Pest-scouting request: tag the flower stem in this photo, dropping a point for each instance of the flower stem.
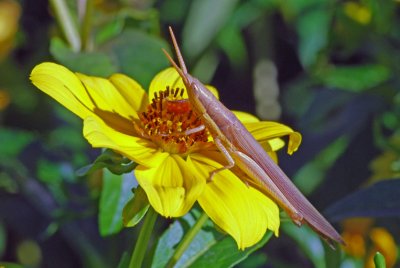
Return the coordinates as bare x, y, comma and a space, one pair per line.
66, 24
86, 23
187, 239
143, 239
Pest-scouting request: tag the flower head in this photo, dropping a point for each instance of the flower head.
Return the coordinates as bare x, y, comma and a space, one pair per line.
364, 240
174, 152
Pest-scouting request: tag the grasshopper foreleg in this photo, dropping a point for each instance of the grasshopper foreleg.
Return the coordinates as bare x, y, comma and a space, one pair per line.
194, 130
225, 153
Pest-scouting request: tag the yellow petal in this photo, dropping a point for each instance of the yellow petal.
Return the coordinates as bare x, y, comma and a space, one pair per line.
166, 78
236, 208
355, 244
266, 130
170, 78
107, 101
63, 86
246, 117
170, 186
131, 91
276, 144
85, 95
213, 90
273, 156
137, 149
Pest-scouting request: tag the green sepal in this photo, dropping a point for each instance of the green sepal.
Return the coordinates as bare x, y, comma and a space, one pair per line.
135, 208
379, 260
111, 160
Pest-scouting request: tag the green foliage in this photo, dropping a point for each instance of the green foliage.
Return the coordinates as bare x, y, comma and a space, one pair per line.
308, 242
135, 53
16, 142
312, 174
197, 36
10, 265
209, 248
111, 160
135, 208
3, 239
355, 78
313, 30
116, 191
91, 63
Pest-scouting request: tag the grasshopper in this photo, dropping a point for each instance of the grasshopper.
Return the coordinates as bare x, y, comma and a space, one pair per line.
242, 150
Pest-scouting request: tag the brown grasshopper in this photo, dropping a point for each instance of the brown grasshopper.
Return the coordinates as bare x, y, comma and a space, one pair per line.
241, 150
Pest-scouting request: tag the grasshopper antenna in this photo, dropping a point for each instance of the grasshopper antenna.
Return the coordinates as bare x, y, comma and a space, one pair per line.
178, 51
182, 69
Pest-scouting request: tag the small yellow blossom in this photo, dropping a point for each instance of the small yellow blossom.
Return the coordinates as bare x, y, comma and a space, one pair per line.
158, 131
364, 240
10, 12
358, 12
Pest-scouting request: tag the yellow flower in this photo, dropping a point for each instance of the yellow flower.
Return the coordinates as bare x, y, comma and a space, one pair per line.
356, 234
358, 12
10, 12
159, 133
383, 242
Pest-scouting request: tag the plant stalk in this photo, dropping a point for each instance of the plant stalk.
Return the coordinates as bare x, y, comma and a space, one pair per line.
187, 239
143, 239
66, 24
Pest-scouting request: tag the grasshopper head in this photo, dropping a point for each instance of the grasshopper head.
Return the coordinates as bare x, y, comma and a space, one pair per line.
199, 95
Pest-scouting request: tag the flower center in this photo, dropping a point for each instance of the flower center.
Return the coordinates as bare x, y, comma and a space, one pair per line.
170, 122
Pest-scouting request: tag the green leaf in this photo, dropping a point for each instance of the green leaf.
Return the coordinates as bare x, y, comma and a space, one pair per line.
384, 15
109, 30
13, 142
233, 44
90, 63
355, 78
230, 38
172, 236
134, 53
378, 200
308, 241
71, 138
10, 265
3, 239
379, 260
115, 193
255, 260
139, 55
197, 36
208, 249
296, 7
313, 29
205, 67
49, 172
333, 258
7, 182
312, 174
124, 261
136, 208
226, 254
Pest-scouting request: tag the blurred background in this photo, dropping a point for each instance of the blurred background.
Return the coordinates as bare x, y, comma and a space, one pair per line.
329, 69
